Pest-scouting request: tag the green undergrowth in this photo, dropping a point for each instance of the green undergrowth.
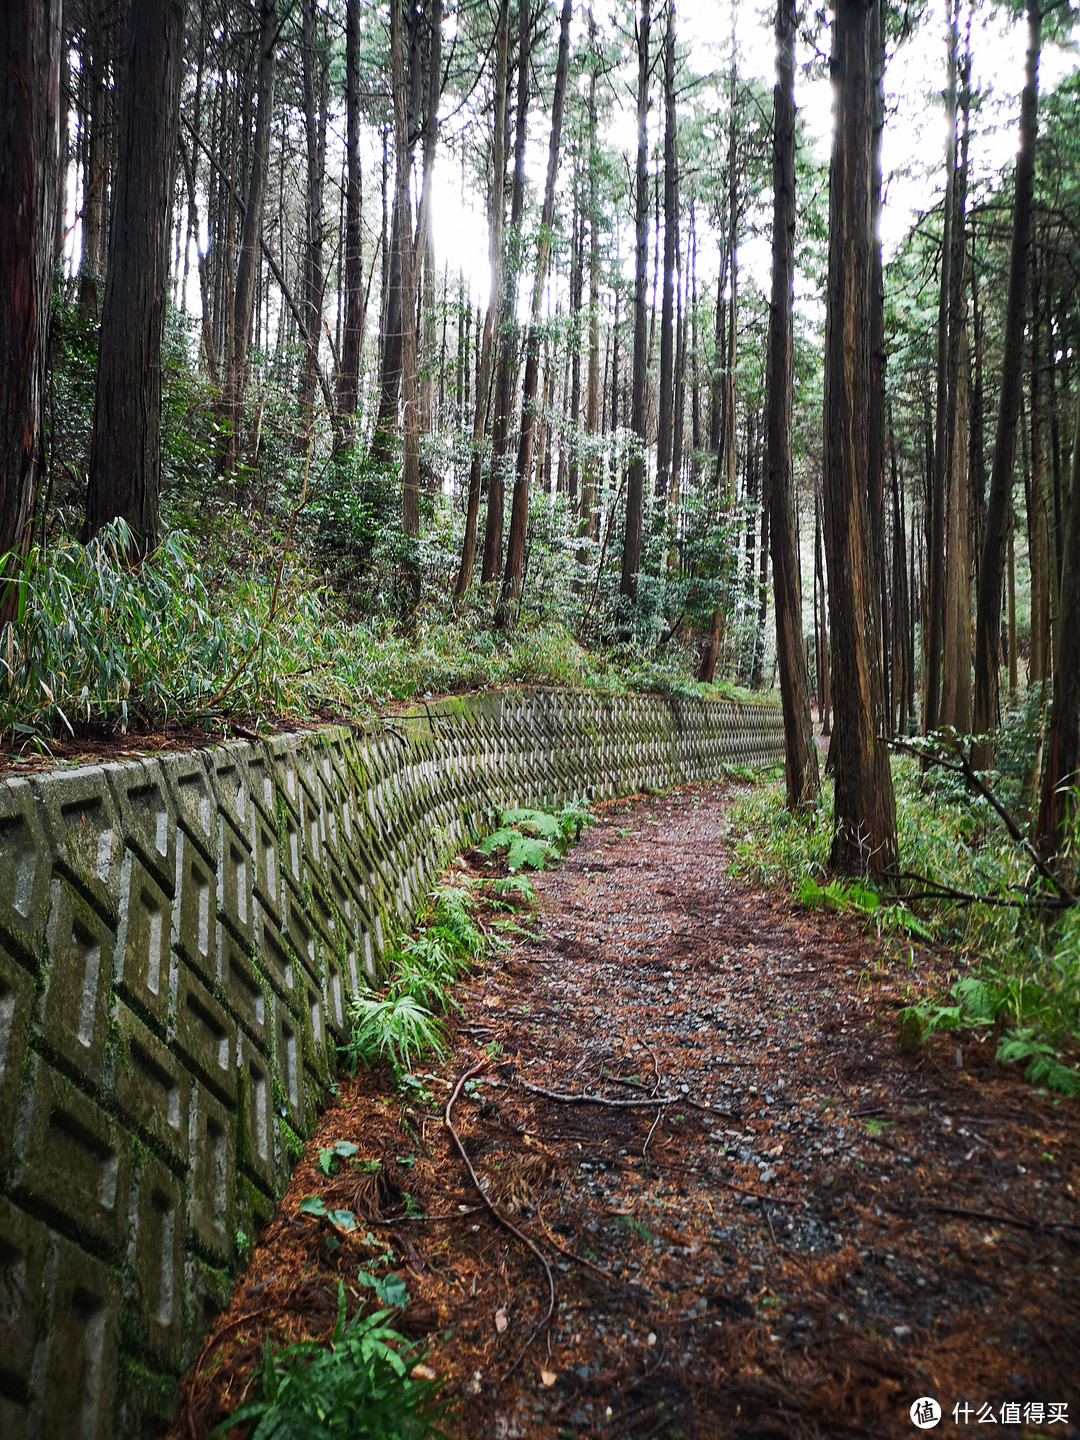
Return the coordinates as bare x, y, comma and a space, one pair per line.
362, 1385
405, 1024
195, 634
1018, 966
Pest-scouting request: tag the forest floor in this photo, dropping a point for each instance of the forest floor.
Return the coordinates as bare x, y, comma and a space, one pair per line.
768, 1221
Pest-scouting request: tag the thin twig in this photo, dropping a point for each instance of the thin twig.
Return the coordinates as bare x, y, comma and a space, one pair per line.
652, 1128
497, 1215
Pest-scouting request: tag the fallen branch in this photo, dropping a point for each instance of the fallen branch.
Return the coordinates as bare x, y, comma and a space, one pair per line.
940, 891
497, 1215
685, 1100
975, 782
757, 1194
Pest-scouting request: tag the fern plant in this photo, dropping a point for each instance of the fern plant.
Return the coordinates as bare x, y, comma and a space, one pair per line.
535, 837
395, 1028
359, 1386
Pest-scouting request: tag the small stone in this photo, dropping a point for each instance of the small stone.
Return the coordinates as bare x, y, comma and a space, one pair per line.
901, 1331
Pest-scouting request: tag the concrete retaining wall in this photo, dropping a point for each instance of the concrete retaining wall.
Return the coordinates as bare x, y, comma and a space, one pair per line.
179, 939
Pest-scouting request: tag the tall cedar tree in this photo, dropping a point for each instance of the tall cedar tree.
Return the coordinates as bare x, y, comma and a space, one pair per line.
800, 752
939, 480
1060, 777
519, 514
864, 837
996, 525
353, 337
665, 416
30, 50
410, 461
247, 268
506, 353
635, 480
125, 454
495, 253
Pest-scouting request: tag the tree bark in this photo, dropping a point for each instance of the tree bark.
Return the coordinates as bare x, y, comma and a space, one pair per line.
996, 524
864, 838
1062, 750
507, 346
495, 253
939, 481
410, 460
243, 308
635, 484
348, 386
665, 409
315, 67
956, 636
125, 453
31, 42
800, 752
519, 514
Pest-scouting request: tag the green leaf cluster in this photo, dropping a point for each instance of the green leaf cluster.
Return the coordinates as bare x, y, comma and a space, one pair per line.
360, 1386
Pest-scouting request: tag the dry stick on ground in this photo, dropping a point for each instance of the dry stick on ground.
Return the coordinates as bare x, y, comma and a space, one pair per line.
564, 1097
682, 1099
497, 1215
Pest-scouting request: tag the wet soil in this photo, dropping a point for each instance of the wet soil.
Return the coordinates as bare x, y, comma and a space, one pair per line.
775, 1224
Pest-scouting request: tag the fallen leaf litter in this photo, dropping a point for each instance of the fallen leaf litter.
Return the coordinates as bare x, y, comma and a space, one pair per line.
696, 1142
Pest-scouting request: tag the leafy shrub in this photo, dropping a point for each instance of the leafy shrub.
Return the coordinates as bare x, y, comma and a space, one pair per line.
360, 1386
395, 1028
534, 837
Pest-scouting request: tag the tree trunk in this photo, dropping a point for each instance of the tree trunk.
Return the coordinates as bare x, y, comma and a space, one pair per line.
125, 453
30, 49
864, 838
996, 525
348, 387
824, 689
935, 558
243, 307
315, 66
424, 246
97, 164
507, 347
800, 752
665, 409
410, 460
519, 513
1062, 750
635, 484
956, 637
495, 253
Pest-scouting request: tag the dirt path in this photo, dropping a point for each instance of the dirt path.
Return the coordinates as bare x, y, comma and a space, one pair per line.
810, 1232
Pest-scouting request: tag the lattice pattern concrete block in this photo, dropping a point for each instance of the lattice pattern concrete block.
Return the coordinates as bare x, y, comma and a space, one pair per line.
205, 1035
16, 1007
194, 931
75, 1008
76, 1379
152, 1086
83, 828
22, 1265
25, 869
196, 805
72, 1160
147, 816
155, 1277
212, 1192
143, 942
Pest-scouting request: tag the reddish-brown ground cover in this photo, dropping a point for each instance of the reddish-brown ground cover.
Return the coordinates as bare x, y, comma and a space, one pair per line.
810, 1231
